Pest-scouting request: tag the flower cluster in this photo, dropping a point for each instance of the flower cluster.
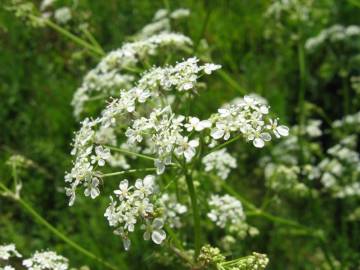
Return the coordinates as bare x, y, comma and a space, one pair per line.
108, 77
341, 169
334, 33
227, 213
182, 77
164, 127
296, 10
165, 130
219, 161
349, 122
7, 251
284, 178
161, 22
46, 260
134, 205
172, 210
248, 118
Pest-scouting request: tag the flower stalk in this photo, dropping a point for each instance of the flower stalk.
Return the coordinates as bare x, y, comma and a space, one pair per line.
195, 211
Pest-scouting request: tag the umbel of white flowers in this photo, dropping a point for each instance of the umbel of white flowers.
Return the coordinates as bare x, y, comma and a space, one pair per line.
44, 260
111, 74
156, 130
135, 205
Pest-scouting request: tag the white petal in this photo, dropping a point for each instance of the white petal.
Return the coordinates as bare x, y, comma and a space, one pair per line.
265, 136
217, 133
126, 243
138, 183
258, 143
149, 180
146, 236
283, 130
124, 184
101, 162
94, 193
158, 223
158, 236
194, 143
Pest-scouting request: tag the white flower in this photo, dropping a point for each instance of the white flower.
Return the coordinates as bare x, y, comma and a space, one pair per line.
278, 130
62, 15
145, 187
196, 124
154, 231
144, 207
209, 68
124, 189
260, 140
180, 13
102, 154
186, 147
221, 130
92, 189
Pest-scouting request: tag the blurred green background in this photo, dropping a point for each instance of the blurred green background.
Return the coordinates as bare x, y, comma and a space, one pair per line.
40, 70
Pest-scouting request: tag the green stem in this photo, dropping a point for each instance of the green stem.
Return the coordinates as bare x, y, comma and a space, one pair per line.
128, 171
93, 40
301, 101
173, 236
203, 29
233, 83
127, 152
224, 144
328, 258
258, 212
55, 231
196, 214
15, 176
346, 96
70, 36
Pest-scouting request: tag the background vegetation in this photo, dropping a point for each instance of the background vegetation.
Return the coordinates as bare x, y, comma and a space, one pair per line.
40, 70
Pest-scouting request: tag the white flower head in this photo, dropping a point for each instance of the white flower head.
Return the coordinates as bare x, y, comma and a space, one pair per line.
46, 260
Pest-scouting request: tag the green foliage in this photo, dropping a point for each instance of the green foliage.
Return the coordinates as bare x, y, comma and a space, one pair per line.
41, 69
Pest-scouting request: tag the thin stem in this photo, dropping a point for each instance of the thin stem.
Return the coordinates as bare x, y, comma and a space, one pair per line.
70, 36
93, 40
328, 258
15, 176
346, 96
195, 212
225, 144
176, 240
203, 29
233, 83
127, 152
55, 231
301, 100
127, 171
258, 212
